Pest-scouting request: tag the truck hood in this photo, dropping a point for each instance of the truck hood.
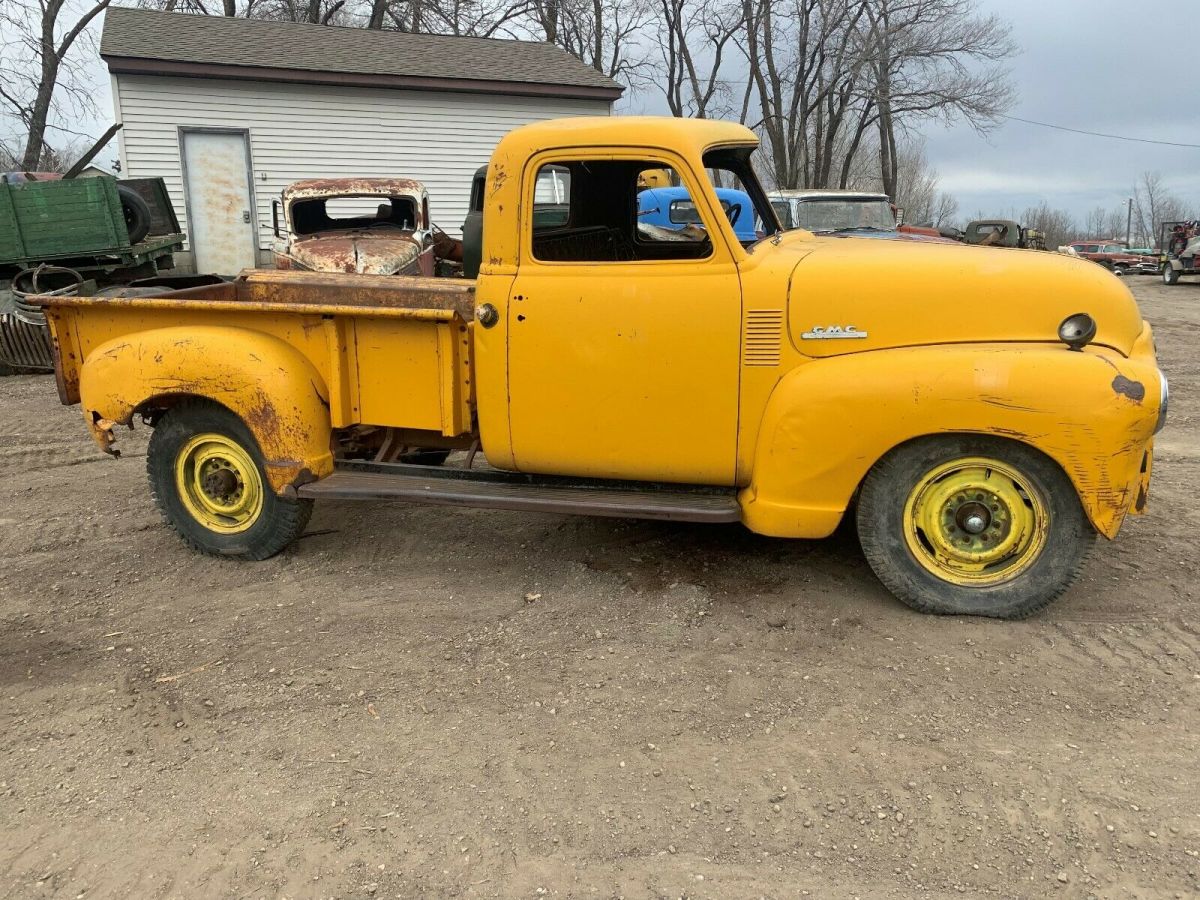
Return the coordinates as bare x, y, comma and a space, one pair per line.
356, 252
849, 294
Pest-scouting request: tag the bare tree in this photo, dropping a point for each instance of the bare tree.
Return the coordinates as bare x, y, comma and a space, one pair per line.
932, 59
39, 74
917, 189
248, 9
605, 35
54, 159
1094, 222
827, 75
1153, 204
805, 63
1115, 221
1057, 225
693, 37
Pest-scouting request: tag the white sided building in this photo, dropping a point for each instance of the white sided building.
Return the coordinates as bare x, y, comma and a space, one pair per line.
230, 111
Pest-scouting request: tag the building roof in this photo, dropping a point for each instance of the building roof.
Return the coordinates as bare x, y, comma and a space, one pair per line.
160, 43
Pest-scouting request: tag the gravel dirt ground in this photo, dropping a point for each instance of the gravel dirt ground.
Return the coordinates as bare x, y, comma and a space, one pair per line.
427, 702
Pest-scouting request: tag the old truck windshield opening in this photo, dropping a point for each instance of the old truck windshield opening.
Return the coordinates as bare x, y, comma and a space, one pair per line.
336, 213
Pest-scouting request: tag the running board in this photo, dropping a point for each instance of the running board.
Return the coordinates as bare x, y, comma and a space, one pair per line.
502, 490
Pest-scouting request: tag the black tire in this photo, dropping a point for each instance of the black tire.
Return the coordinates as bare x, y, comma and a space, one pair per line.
1170, 274
882, 528
136, 213
279, 521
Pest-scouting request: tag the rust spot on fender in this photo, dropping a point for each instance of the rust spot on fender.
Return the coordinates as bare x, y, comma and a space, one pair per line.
264, 421
1134, 390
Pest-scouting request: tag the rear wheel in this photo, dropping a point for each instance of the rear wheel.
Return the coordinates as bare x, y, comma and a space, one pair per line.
972, 526
209, 482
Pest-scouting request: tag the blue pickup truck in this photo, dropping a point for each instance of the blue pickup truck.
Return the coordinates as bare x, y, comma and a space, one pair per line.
673, 208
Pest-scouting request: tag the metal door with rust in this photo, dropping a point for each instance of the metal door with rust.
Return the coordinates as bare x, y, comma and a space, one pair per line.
220, 201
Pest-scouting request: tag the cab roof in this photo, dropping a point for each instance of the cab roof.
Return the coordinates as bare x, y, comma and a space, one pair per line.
352, 187
630, 131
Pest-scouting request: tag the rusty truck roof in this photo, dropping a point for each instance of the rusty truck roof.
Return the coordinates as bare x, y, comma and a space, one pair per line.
312, 188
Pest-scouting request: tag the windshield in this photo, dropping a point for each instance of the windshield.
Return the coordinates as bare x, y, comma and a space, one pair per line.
842, 213
729, 167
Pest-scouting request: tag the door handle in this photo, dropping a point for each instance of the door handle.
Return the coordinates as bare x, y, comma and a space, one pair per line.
246, 216
487, 315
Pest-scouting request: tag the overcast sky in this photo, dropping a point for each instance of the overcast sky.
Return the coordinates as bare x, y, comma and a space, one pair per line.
1100, 65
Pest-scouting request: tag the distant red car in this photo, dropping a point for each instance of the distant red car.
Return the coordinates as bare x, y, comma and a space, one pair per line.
1111, 256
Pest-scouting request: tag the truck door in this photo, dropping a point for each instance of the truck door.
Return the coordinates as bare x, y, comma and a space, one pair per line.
623, 337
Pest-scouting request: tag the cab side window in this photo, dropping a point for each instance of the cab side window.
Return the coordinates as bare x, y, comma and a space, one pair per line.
614, 211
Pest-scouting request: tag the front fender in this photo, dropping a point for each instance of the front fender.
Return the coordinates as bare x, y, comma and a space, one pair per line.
828, 421
269, 384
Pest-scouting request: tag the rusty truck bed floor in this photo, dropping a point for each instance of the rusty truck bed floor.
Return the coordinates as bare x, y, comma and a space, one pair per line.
422, 701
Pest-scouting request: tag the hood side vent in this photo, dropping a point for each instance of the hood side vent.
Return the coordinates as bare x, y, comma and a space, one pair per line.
762, 335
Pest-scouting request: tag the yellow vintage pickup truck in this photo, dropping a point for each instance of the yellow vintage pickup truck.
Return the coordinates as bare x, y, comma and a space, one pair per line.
983, 414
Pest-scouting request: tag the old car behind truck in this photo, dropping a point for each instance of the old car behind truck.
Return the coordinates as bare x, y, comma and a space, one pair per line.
780, 383
372, 226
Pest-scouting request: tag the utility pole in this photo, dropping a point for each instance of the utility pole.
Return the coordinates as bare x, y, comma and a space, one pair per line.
1129, 224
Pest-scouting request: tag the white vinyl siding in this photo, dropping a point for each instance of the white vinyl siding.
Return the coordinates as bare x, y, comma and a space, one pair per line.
317, 131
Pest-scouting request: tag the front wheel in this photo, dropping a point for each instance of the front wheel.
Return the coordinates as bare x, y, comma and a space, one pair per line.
1170, 274
972, 525
209, 482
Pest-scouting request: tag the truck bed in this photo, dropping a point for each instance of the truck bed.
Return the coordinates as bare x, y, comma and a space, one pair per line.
363, 336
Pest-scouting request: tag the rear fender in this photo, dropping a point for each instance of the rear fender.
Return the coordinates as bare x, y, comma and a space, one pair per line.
828, 422
265, 381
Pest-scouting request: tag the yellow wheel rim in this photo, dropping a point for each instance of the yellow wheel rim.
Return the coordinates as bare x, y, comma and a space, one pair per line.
219, 483
975, 521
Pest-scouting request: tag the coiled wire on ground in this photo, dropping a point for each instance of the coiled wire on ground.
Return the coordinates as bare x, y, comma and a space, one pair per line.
24, 335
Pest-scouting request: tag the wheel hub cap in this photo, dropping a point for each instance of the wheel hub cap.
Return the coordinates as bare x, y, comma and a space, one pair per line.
975, 521
219, 483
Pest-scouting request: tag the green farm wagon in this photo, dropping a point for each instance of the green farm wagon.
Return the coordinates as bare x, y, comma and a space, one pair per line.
107, 231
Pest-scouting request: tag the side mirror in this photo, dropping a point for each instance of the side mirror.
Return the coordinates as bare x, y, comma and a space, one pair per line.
275, 217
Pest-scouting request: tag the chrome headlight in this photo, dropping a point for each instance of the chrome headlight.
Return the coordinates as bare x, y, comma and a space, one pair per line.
1164, 397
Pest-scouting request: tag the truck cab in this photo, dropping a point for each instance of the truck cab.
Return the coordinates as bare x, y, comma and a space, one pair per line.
363, 226
604, 368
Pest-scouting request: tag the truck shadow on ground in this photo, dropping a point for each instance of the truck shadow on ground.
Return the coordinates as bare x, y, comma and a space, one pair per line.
727, 562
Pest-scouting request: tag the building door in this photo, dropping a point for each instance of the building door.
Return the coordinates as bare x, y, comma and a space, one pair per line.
220, 205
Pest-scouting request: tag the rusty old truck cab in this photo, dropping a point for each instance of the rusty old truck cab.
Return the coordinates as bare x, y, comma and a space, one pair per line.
983, 414
363, 226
